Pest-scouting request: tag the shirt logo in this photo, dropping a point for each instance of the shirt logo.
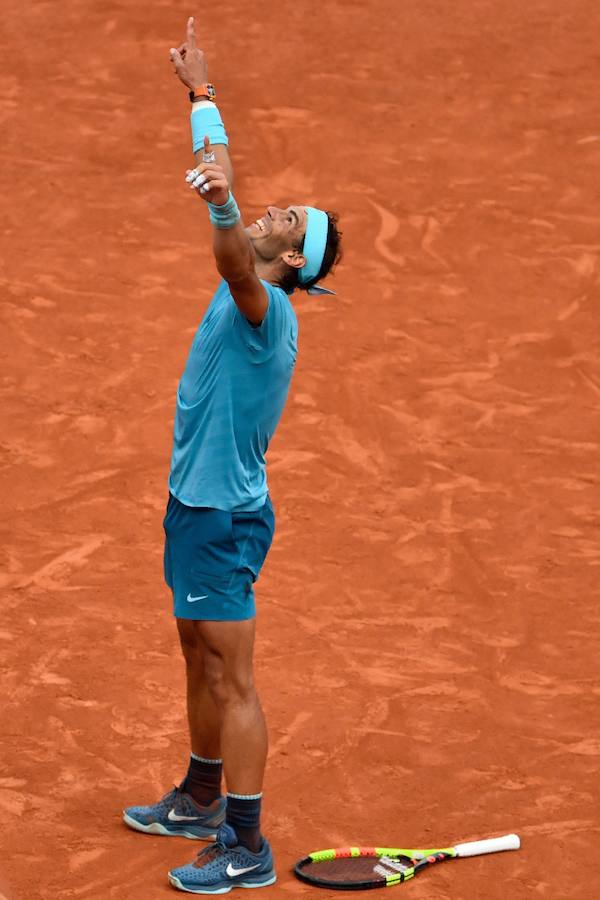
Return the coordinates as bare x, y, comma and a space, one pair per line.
191, 599
233, 872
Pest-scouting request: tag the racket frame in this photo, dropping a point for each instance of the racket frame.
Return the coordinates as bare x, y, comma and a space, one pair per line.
419, 859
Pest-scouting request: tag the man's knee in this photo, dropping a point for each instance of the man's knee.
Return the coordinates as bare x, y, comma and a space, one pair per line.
227, 683
221, 654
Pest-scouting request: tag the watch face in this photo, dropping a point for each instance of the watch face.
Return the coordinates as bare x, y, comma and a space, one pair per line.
210, 90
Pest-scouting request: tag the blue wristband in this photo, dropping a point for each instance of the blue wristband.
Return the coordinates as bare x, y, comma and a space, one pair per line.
226, 215
206, 120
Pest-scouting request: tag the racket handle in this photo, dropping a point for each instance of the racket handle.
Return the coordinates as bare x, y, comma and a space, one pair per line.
494, 845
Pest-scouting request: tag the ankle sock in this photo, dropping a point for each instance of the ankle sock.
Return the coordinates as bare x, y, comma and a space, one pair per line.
243, 814
203, 779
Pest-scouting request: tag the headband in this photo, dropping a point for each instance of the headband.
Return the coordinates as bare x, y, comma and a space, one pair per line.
315, 242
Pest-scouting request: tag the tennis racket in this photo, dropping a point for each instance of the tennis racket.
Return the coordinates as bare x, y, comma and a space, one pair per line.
362, 868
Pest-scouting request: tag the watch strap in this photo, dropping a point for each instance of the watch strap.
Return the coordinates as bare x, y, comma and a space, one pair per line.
203, 91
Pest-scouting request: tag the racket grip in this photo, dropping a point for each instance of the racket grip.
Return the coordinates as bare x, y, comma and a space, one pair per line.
494, 845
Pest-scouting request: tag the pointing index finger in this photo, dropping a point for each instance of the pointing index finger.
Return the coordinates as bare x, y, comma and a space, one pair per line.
191, 34
208, 156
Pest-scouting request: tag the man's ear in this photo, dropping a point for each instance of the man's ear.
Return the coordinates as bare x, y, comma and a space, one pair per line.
294, 258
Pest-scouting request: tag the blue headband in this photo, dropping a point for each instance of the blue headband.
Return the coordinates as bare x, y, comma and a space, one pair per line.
315, 242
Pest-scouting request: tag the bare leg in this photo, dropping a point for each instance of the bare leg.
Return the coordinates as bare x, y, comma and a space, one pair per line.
203, 719
226, 650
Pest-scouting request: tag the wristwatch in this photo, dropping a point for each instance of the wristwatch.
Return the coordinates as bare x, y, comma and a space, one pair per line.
203, 92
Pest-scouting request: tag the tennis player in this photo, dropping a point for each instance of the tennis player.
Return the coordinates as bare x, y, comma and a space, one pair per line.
219, 521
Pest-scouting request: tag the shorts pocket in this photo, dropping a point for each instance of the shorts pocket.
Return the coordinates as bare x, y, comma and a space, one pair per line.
221, 577
213, 553
253, 535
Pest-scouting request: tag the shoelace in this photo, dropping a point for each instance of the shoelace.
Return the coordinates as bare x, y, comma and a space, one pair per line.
169, 799
209, 853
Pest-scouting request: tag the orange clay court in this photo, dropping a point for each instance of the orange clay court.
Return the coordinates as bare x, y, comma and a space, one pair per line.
428, 616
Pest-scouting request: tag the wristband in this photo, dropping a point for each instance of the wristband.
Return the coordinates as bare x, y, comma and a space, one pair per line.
225, 215
206, 120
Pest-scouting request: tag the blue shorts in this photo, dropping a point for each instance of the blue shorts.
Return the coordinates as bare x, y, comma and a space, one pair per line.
213, 557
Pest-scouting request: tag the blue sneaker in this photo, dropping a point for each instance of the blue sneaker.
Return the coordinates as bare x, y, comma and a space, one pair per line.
178, 815
225, 865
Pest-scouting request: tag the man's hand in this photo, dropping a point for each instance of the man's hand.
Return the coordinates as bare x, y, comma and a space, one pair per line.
190, 63
209, 179
212, 179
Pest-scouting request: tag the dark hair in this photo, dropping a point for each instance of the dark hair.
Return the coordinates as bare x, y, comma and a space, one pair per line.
289, 281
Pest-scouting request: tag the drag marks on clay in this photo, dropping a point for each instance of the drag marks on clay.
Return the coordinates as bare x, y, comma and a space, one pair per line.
159, 733
133, 870
13, 802
586, 747
95, 476
430, 231
560, 443
20, 452
360, 451
434, 547
55, 574
290, 459
81, 858
538, 685
298, 721
279, 187
389, 226
561, 827
589, 381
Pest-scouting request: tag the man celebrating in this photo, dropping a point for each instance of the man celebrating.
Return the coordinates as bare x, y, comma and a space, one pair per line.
219, 522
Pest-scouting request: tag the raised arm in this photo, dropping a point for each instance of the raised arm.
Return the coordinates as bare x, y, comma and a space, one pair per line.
234, 253
191, 67
213, 180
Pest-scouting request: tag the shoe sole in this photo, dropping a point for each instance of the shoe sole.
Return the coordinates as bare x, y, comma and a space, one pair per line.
157, 828
176, 883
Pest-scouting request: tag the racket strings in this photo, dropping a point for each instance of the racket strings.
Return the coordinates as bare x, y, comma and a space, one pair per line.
361, 868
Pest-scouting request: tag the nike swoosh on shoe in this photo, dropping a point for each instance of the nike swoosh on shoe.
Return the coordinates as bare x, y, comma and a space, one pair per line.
231, 872
174, 817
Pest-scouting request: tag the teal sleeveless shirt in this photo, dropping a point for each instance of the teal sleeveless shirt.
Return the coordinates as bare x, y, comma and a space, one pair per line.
229, 401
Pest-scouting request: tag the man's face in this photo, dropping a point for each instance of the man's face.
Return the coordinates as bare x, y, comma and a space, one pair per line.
278, 231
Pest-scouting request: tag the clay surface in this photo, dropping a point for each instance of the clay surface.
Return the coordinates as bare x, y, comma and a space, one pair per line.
428, 615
